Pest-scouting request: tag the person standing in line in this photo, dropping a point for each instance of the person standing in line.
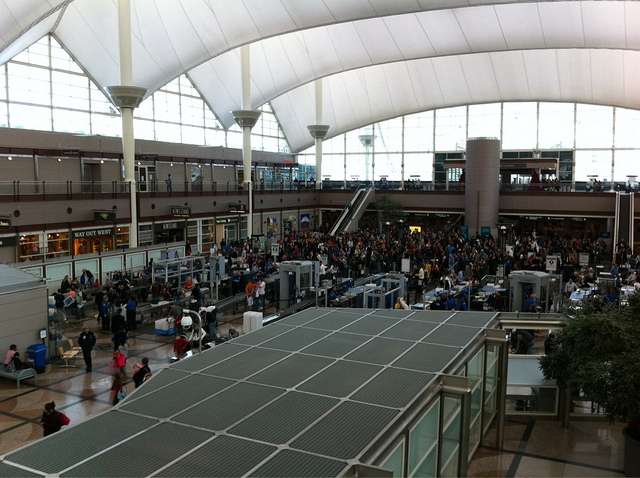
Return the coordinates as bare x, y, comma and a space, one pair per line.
250, 289
261, 292
103, 313
131, 313
87, 341
169, 181
52, 420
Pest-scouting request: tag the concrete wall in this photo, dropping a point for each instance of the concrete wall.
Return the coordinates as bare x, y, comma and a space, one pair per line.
22, 315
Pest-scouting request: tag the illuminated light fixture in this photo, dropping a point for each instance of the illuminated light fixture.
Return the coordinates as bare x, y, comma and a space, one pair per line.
139, 163
171, 165
199, 165
10, 158
59, 160
102, 161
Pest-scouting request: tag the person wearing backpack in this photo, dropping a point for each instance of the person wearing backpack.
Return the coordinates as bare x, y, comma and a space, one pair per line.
142, 373
52, 420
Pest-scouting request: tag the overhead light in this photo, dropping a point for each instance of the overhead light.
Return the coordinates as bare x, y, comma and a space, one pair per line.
10, 158
59, 160
171, 165
102, 161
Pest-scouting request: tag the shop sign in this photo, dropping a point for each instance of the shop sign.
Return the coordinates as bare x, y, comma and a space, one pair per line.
5, 223
108, 231
108, 216
180, 211
8, 241
169, 225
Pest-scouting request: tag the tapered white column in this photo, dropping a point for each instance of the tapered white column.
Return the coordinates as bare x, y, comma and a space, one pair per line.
127, 97
318, 132
246, 119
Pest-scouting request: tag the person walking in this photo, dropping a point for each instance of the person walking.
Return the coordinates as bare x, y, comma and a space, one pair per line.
118, 392
87, 341
142, 373
52, 420
169, 182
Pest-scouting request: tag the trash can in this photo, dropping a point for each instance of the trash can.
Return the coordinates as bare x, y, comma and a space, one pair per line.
38, 354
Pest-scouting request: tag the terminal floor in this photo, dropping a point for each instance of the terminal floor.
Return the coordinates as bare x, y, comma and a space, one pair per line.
531, 447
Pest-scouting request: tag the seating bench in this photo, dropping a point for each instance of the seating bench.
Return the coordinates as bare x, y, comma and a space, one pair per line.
19, 374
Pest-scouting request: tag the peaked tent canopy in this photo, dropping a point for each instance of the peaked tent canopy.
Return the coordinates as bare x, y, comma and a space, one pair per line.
379, 59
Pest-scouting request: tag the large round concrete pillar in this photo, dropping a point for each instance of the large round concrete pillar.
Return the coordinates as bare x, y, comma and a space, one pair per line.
482, 189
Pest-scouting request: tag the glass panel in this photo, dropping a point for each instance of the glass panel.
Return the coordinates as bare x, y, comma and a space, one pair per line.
214, 137
484, 120
418, 132
333, 167
389, 136
107, 125
450, 437
143, 129
71, 121
192, 135
556, 125
590, 163
333, 145
29, 84
166, 106
594, 126
519, 126
167, 132
358, 166
627, 128
234, 137
36, 54
29, 117
626, 163
418, 166
145, 110
395, 460
451, 129
389, 167
3, 83
423, 438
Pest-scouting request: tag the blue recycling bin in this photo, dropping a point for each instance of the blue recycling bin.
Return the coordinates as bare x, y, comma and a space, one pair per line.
38, 354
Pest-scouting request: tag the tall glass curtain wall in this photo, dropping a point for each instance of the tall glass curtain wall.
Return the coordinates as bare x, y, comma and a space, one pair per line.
589, 140
43, 88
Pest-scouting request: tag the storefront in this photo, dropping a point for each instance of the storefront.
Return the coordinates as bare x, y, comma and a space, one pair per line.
37, 246
166, 232
88, 241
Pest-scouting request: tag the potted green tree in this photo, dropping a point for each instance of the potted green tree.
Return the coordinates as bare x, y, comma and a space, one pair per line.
598, 352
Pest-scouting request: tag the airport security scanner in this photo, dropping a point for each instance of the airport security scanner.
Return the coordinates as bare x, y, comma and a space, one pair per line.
383, 295
297, 278
522, 284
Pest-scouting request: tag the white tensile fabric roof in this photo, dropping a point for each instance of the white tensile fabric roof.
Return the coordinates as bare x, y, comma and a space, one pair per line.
378, 58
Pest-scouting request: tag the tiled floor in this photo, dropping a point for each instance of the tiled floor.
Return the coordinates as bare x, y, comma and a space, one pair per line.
531, 447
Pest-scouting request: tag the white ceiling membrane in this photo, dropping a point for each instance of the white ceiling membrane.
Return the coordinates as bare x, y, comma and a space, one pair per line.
379, 58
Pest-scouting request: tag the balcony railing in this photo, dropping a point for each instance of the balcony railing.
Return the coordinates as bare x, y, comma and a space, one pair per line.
17, 189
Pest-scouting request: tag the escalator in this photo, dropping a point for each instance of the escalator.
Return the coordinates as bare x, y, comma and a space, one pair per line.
623, 230
353, 211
